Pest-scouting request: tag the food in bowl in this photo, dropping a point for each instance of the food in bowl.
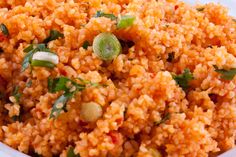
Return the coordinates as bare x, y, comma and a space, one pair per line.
117, 78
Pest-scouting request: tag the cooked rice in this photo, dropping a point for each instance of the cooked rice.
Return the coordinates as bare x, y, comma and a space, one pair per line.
140, 87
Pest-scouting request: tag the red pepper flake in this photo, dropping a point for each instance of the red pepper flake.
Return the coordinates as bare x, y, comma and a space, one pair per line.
2, 37
119, 120
213, 97
114, 136
176, 7
63, 72
82, 123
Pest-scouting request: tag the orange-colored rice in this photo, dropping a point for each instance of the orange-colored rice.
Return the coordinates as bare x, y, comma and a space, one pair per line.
139, 81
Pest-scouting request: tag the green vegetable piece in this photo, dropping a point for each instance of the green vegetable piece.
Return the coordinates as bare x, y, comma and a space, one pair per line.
30, 51
60, 105
165, 118
4, 29
29, 48
61, 84
226, 74
171, 57
41, 63
90, 111
183, 79
27, 60
69, 87
200, 9
102, 14
29, 83
125, 21
71, 153
106, 46
42, 47
16, 93
54, 34
86, 44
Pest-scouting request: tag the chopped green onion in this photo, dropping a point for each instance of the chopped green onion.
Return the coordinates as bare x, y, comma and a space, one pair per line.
40, 63
54, 34
4, 29
71, 153
102, 14
125, 21
16, 93
44, 59
106, 46
31, 50
226, 74
165, 118
86, 44
183, 79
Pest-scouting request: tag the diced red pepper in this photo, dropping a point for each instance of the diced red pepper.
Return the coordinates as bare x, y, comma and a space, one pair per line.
63, 72
114, 137
2, 37
82, 123
119, 120
176, 7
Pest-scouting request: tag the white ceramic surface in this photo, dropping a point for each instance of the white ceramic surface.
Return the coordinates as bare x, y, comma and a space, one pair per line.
6, 151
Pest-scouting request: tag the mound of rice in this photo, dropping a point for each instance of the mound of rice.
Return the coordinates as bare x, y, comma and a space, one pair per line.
140, 86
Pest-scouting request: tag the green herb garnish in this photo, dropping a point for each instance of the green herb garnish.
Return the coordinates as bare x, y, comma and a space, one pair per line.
226, 74
183, 79
16, 93
171, 57
69, 87
102, 14
4, 29
125, 21
165, 118
63, 84
86, 44
30, 50
71, 153
60, 105
54, 34
29, 83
